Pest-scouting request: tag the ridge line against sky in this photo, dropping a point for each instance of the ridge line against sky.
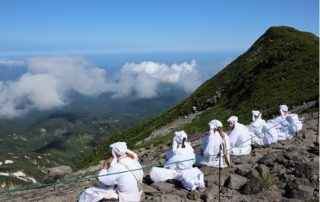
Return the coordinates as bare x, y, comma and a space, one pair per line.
98, 26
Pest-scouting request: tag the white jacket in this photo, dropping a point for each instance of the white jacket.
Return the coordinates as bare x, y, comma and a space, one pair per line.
211, 148
126, 183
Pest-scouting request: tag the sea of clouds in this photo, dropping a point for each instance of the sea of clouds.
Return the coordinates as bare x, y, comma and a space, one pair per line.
49, 81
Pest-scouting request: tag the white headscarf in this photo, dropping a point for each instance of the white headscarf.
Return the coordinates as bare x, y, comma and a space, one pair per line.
179, 135
283, 108
256, 115
121, 149
233, 119
215, 124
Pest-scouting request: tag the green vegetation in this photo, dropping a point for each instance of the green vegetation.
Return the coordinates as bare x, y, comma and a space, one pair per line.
268, 182
282, 66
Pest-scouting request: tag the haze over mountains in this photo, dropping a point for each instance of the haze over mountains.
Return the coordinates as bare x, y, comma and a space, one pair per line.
55, 109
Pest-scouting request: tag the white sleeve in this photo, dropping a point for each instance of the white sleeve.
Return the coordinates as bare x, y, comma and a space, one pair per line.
110, 179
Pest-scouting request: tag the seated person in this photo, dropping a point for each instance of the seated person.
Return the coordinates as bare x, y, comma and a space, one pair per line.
286, 124
117, 171
179, 164
240, 139
181, 150
210, 147
255, 129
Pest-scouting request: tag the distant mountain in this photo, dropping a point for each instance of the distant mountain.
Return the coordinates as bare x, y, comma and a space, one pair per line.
282, 66
40, 140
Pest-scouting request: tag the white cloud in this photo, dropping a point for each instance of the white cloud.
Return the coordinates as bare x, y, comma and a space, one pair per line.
10, 63
143, 79
49, 81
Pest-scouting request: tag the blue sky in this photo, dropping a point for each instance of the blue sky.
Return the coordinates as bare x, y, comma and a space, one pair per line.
118, 26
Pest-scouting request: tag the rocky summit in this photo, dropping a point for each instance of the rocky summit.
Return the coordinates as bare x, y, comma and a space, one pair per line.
286, 171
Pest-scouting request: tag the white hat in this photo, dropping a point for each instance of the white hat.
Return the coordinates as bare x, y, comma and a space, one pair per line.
255, 115
283, 108
232, 119
119, 148
179, 135
215, 124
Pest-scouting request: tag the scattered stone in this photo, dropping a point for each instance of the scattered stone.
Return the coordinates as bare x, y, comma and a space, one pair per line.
57, 173
262, 169
300, 191
162, 186
243, 169
148, 189
167, 198
235, 181
307, 169
194, 195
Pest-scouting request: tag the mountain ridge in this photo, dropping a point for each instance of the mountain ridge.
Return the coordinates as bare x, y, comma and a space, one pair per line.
276, 69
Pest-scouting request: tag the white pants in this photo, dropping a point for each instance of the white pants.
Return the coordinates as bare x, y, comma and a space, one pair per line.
239, 151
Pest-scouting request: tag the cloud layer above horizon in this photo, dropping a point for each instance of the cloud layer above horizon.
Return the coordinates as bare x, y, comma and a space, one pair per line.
49, 81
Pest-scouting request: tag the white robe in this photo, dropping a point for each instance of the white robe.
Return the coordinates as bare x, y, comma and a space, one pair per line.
179, 166
295, 125
270, 133
240, 140
126, 183
282, 126
211, 148
181, 158
256, 133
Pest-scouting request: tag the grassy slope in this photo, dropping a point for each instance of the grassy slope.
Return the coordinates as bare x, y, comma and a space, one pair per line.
281, 67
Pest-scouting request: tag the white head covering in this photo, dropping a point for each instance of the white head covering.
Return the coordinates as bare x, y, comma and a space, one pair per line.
121, 149
179, 135
233, 119
283, 108
256, 115
215, 124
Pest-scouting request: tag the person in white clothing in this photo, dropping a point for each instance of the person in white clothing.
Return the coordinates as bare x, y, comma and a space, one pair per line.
214, 142
287, 124
281, 124
182, 155
179, 164
255, 129
123, 171
240, 139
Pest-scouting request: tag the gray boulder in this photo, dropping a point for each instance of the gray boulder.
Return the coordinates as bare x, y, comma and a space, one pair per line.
243, 169
162, 186
235, 181
253, 185
300, 191
56, 173
167, 198
306, 170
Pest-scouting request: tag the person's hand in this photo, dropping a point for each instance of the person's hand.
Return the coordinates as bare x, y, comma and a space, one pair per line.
107, 163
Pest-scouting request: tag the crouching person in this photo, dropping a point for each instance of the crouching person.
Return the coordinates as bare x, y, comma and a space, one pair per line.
179, 164
240, 139
123, 171
213, 143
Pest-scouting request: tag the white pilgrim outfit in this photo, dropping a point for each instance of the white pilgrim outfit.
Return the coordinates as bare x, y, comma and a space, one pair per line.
127, 182
179, 165
211, 147
240, 139
281, 124
255, 129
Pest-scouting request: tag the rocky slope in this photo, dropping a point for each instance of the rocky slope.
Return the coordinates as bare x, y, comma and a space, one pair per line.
282, 66
286, 171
